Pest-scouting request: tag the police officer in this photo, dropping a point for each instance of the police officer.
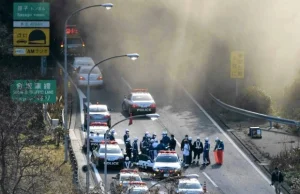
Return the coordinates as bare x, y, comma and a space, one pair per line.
160, 146
135, 150
172, 144
182, 142
206, 160
219, 145
151, 149
145, 146
198, 149
277, 179
146, 134
165, 139
190, 140
154, 145
126, 135
186, 152
142, 142
127, 163
112, 135
153, 136
128, 148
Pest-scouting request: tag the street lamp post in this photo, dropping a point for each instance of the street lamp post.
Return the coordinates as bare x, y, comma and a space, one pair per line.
152, 116
133, 56
107, 6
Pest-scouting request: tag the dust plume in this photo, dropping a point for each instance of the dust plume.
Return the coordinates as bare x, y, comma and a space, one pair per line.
194, 38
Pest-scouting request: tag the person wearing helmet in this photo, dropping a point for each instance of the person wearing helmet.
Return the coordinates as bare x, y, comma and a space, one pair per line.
146, 134
135, 150
165, 139
128, 148
151, 149
198, 149
182, 142
112, 135
206, 160
145, 146
142, 142
172, 144
186, 153
126, 135
127, 163
154, 145
219, 145
153, 136
190, 140
160, 146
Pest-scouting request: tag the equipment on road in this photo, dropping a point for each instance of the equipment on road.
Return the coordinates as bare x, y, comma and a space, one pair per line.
255, 132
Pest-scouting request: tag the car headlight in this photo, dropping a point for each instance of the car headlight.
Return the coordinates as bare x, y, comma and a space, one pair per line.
178, 169
155, 169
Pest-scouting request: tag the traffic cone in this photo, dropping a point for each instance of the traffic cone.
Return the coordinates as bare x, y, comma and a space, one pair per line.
204, 187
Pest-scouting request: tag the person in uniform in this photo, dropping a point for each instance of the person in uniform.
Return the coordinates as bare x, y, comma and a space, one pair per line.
206, 160
151, 149
153, 136
154, 145
135, 150
190, 140
112, 135
126, 135
128, 148
198, 149
127, 163
172, 144
145, 147
219, 145
160, 146
182, 142
186, 153
165, 139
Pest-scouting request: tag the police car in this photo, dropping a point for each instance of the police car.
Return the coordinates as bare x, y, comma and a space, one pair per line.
167, 164
124, 178
97, 131
115, 155
189, 185
139, 101
145, 162
98, 113
136, 187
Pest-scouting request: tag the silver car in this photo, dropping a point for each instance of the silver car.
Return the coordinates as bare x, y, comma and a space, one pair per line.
96, 77
189, 186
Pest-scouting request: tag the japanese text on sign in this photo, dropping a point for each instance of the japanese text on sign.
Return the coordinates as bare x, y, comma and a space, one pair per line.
31, 51
237, 61
35, 91
31, 11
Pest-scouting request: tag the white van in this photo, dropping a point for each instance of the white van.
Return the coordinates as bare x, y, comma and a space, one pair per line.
82, 61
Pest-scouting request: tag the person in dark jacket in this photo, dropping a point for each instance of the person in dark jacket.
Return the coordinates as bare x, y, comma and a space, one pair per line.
112, 135
153, 136
198, 149
182, 142
206, 160
160, 146
145, 147
126, 136
277, 179
172, 144
165, 139
135, 150
128, 148
191, 150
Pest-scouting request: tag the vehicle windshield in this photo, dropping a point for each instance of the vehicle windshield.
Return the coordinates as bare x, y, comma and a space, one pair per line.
87, 70
74, 41
98, 109
188, 185
96, 117
111, 150
130, 178
142, 98
166, 159
137, 191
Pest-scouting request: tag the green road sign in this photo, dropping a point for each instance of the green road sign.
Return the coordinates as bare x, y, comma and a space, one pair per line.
31, 11
40, 91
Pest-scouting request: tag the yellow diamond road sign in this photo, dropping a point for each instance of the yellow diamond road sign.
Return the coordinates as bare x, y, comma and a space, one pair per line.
237, 64
31, 51
31, 37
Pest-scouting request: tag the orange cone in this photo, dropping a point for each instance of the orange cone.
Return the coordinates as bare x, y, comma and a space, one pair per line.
204, 187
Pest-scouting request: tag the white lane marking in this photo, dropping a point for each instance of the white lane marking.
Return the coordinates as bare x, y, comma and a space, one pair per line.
127, 84
214, 184
96, 173
222, 131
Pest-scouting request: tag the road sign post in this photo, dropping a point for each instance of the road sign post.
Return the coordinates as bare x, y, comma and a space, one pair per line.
237, 68
37, 91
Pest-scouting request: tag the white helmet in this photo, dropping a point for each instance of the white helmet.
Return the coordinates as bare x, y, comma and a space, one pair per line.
198, 138
217, 139
112, 131
135, 139
126, 130
127, 158
206, 139
190, 138
147, 133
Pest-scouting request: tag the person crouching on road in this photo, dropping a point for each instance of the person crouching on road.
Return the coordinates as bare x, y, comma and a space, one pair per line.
135, 150
206, 160
127, 163
198, 149
128, 148
126, 135
277, 179
182, 142
172, 144
186, 153
154, 145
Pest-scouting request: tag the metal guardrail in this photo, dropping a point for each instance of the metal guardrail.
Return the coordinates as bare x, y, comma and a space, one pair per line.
248, 113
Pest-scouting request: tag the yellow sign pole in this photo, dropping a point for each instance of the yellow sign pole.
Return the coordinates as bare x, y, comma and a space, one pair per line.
237, 67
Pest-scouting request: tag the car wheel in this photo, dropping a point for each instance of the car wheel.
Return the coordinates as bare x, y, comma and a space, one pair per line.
124, 106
